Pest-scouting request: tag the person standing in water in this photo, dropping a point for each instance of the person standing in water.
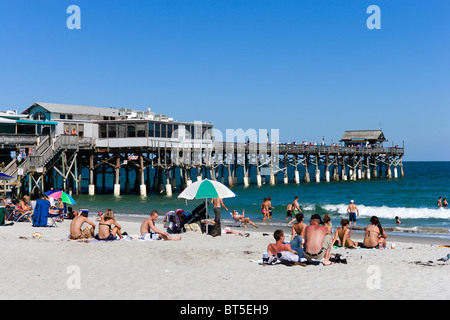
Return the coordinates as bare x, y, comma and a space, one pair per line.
353, 211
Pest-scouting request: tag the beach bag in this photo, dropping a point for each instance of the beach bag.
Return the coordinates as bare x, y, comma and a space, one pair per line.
194, 227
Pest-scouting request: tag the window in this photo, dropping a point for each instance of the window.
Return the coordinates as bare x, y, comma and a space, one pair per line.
141, 130
81, 130
157, 130
188, 132
69, 117
7, 128
175, 131
131, 130
40, 116
62, 116
163, 130
112, 130
122, 132
26, 129
151, 129
102, 129
169, 130
198, 132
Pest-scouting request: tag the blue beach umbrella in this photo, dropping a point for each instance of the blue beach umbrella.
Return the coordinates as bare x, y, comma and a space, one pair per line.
5, 177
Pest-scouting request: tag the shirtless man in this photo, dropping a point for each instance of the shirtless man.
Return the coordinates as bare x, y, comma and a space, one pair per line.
298, 234
269, 207
150, 232
218, 204
317, 241
295, 206
439, 203
299, 227
76, 233
352, 211
279, 246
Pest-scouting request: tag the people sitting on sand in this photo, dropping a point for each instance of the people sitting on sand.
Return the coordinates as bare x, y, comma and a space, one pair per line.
327, 223
150, 232
375, 237
106, 231
76, 233
24, 208
242, 218
279, 245
298, 234
70, 214
317, 241
342, 235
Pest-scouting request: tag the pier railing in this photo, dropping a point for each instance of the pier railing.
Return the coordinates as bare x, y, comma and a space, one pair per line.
311, 149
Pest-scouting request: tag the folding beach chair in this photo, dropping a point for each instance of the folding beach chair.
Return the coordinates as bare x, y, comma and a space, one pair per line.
54, 216
17, 216
237, 222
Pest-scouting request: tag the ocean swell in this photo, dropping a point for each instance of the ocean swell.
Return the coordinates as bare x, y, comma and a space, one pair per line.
388, 212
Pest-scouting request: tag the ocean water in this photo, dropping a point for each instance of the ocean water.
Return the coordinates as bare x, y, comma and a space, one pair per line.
412, 198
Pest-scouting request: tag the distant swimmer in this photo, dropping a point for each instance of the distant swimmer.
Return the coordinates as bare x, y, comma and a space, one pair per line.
439, 203
445, 203
397, 220
289, 211
295, 206
353, 211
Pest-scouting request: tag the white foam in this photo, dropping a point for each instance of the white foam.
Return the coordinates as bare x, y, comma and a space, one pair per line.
391, 213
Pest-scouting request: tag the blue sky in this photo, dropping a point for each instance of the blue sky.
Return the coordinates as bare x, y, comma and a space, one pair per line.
309, 68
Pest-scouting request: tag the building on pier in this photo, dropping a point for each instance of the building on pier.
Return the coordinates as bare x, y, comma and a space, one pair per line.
363, 138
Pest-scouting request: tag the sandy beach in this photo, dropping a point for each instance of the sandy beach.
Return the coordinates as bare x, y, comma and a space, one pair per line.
202, 267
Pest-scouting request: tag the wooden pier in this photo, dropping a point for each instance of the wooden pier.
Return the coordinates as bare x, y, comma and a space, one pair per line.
91, 149
160, 166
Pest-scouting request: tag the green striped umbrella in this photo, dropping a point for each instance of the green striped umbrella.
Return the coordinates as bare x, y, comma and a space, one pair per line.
206, 189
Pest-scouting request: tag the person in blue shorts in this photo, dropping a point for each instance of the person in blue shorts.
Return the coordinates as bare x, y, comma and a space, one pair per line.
352, 211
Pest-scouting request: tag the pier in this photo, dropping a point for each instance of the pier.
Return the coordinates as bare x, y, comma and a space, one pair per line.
121, 152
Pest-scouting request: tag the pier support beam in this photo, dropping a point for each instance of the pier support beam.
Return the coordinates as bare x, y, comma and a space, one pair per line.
91, 175
117, 177
317, 171
296, 176
272, 179
142, 185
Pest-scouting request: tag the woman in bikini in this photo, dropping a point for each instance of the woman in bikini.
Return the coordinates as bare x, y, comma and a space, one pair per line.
375, 237
105, 227
241, 218
25, 208
265, 209
343, 233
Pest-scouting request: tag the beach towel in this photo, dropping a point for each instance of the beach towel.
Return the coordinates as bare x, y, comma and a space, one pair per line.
41, 213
